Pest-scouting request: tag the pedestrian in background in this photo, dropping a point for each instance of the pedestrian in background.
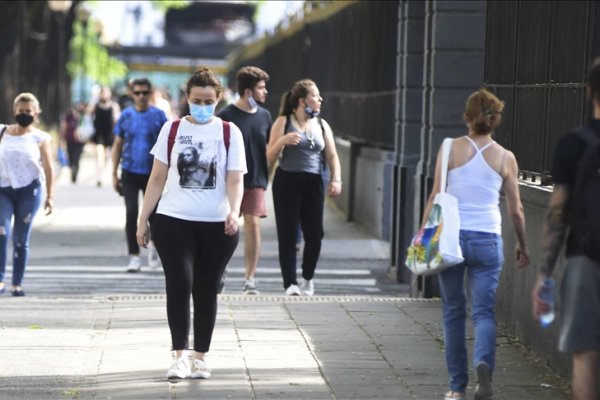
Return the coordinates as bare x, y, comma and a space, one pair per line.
478, 169
580, 286
255, 123
297, 140
105, 114
69, 134
195, 228
161, 101
25, 165
136, 132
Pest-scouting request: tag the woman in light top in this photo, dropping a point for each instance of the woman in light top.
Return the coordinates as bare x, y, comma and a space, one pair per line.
478, 170
195, 229
25, 164
298, 139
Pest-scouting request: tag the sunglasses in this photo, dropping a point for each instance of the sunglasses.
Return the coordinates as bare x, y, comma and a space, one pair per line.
142, 93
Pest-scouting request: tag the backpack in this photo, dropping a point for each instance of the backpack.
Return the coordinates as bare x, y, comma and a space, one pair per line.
585, 212
173, 134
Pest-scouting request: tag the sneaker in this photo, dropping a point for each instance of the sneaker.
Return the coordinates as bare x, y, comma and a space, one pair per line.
292, 290
199, 369
307, 287
153, 260
135, 264
483, 390
180, 369
250, 287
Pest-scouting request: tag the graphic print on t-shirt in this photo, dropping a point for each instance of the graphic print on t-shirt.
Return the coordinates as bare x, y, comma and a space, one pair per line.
197, 164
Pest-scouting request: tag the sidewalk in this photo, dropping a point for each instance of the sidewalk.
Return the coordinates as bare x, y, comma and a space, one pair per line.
102, 344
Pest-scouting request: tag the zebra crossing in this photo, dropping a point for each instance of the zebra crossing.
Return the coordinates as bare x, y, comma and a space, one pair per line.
99, 280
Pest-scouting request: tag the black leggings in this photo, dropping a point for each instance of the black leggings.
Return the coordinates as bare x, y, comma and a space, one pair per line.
194, 256
298, 197
132, 184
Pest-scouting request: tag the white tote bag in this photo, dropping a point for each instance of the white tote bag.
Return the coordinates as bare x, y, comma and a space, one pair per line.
436, 246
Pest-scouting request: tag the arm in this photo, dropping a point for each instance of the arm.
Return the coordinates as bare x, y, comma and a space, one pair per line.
154, 189
514, 208
554, 231
116, 112
46, 156
235, 192
117, 150
435, 190
333, 161
278, 140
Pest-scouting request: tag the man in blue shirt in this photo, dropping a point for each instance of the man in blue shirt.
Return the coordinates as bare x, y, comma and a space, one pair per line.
136, 132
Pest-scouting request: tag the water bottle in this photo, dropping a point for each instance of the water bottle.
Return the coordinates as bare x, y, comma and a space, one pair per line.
547, 293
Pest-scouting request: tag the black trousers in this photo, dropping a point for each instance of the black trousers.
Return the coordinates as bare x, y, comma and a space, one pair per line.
74, 150
194, 256
298, 197
132, 184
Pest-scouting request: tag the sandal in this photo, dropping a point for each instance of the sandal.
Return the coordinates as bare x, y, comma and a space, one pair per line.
454, 396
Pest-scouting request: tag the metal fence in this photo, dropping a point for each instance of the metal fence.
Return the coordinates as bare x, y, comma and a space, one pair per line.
536, 61
347, 53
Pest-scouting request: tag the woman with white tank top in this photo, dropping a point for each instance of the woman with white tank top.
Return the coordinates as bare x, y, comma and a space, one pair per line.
478, 170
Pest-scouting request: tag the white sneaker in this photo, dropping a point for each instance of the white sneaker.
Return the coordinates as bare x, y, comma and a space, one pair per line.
180, 369
292, 290
250, 286
135, 264
307, 287
199, 369
153, 259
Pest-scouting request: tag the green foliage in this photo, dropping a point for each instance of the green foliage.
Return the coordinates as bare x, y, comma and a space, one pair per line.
90, 58
166, 4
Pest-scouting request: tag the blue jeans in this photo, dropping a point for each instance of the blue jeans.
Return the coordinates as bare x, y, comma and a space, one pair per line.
23, 204
484, 256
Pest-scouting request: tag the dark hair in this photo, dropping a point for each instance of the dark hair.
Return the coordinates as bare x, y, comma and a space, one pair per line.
483, 111
593, 80
203, 77
291, 98
140, 82
248, 77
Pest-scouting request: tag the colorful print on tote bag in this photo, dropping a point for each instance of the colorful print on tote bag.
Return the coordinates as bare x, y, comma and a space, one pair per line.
437, 245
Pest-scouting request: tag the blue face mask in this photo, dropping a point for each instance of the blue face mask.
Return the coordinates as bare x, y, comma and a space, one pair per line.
202, 114
310, 112
253, 103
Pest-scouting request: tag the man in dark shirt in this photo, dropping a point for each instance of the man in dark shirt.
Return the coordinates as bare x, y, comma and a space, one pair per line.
255, 124
580, 286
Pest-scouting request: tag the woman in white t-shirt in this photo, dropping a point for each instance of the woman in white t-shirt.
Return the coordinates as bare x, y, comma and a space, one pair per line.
25, 160
195, 229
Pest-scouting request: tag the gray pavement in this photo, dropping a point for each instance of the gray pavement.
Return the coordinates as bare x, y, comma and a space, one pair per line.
87, 330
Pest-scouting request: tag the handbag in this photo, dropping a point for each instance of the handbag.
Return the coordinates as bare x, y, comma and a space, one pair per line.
436, 246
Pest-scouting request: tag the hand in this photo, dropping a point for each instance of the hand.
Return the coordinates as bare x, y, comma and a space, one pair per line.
539, 306
522, 255
49, 206
117, 184
291, 139
335, 188
143, 234
231, 224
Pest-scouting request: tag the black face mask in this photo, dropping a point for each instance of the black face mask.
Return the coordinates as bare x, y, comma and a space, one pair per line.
24, 120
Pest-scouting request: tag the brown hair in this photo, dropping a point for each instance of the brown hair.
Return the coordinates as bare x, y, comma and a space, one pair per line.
203, 77
248, 77
483, 111
291, 98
